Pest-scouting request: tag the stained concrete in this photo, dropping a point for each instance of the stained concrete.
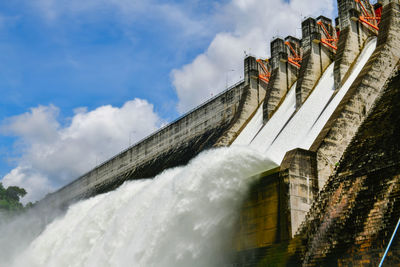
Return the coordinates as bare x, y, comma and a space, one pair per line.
278, 202
353, 35
252, 97
299, 174
352, 219
351, 222
316, 59
260, 222
283, 76
357, 103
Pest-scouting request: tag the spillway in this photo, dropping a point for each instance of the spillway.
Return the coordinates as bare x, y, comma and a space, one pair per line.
251, 128
288, 130
274, 125
183, 217
278, 120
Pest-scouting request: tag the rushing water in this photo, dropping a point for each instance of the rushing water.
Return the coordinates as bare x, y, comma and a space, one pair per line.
185, 216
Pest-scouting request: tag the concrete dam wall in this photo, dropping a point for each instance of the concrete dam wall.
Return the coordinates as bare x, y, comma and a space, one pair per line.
354, 211
346, 167
216, 122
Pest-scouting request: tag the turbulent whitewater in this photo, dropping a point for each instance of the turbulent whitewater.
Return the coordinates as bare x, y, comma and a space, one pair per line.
183, 217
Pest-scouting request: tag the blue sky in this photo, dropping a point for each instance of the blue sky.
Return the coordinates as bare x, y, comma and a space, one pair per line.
64, 62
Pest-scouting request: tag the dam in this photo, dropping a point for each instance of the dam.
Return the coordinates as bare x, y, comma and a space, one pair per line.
321, 118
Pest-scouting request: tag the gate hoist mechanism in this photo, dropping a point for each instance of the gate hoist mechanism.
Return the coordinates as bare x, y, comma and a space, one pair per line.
266, 74
293, 58
329, 40
369, 16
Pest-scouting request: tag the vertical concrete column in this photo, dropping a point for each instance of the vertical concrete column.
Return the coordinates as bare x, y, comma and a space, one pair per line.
293, 71
316, 58
283, 75
345, 8
251, 98
251, 77
299, 173
250, 70
351, 39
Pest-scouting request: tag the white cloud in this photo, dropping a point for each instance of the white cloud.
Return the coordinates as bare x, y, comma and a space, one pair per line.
184, 16
252, 24
53, 154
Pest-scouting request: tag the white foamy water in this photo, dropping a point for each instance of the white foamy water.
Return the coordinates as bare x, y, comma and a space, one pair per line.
183, 217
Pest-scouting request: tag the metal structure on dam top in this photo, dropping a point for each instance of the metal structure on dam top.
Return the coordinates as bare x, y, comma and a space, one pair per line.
371, 15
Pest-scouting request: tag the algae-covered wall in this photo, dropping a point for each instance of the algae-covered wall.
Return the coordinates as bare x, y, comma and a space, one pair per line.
259, 220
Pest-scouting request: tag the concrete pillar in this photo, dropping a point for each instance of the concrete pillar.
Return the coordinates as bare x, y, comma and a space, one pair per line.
251, 99
278, 52
251, 77
345, 8
351, 40
250, 69
310, 31
316, 58
299, 174
283, 75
